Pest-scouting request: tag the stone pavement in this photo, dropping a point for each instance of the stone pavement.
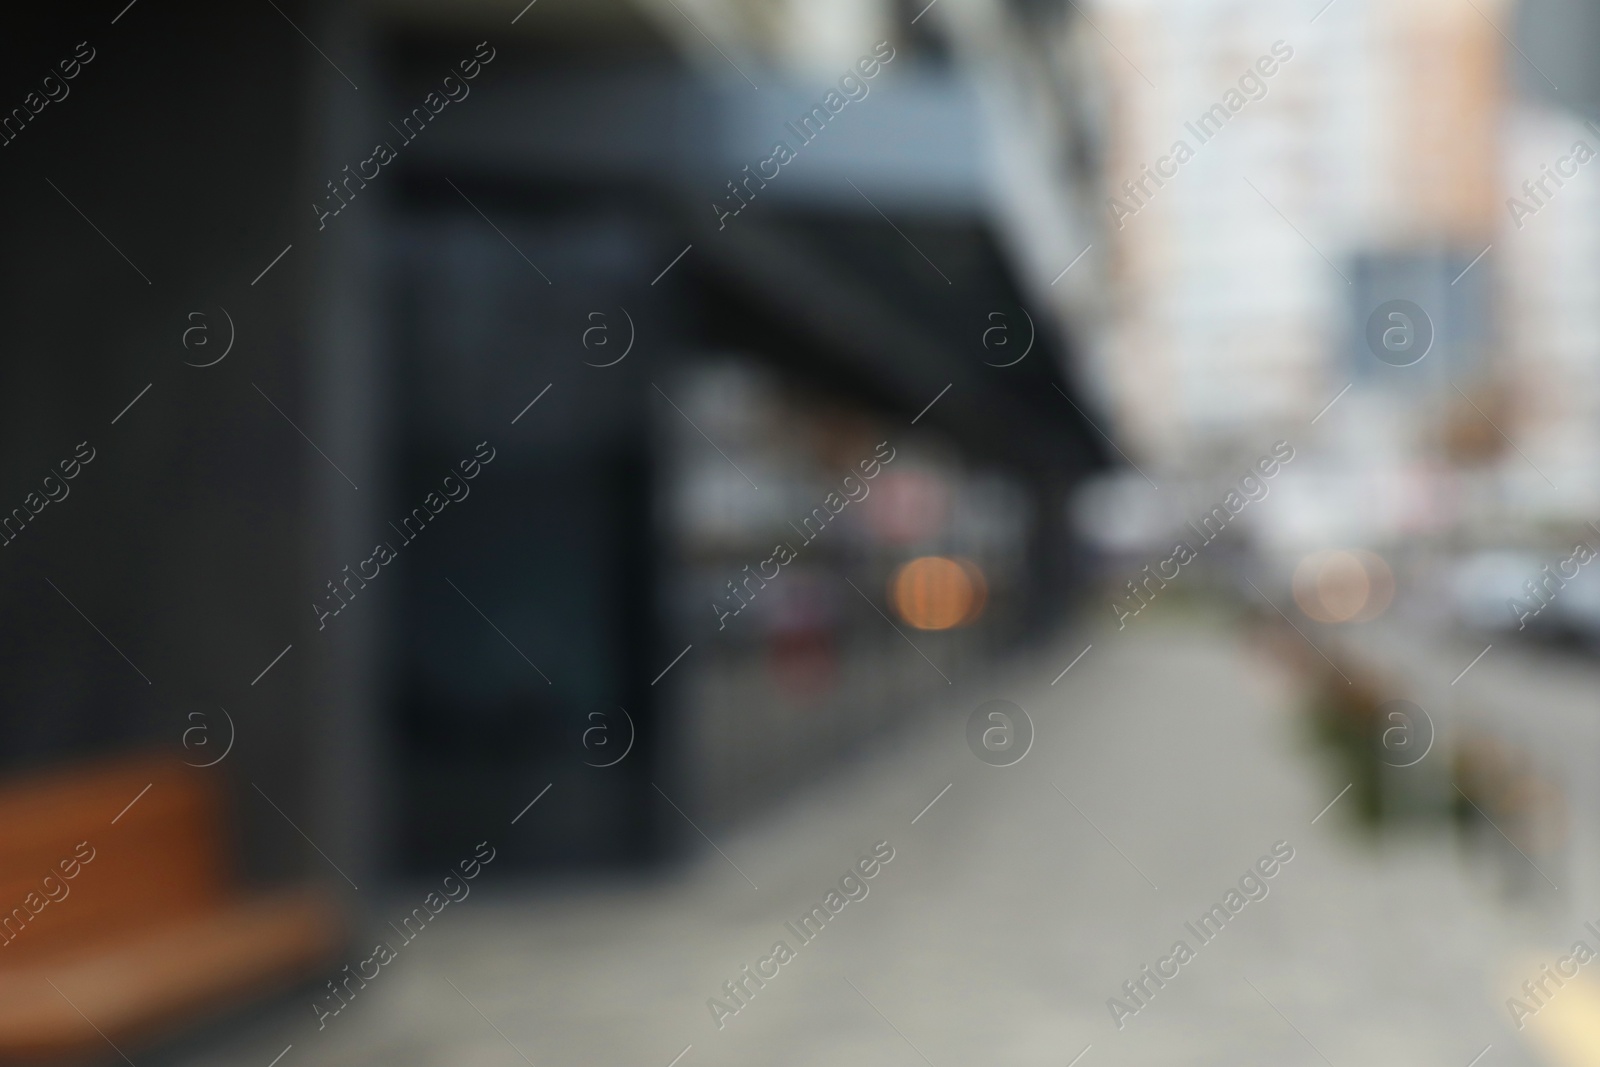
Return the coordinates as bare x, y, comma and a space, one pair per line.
1167, 761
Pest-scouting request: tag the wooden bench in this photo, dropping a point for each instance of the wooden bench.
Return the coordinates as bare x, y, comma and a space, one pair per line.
133, 928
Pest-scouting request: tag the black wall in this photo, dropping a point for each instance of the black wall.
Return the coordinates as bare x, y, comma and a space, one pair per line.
179, 141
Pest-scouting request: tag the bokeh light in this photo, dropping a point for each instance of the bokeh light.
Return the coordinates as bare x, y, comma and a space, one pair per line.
937, 593
1341, 585
909, 506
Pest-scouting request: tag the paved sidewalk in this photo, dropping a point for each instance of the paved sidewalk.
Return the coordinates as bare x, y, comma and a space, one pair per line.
1006, 919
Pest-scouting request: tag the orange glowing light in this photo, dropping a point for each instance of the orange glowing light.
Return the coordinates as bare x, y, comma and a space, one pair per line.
936, 593
1343, 586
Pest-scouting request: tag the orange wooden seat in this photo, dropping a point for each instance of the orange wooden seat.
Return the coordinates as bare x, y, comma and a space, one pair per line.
124, 931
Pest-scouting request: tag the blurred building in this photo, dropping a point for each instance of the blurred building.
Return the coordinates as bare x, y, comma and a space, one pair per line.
1381, 159
552, 360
